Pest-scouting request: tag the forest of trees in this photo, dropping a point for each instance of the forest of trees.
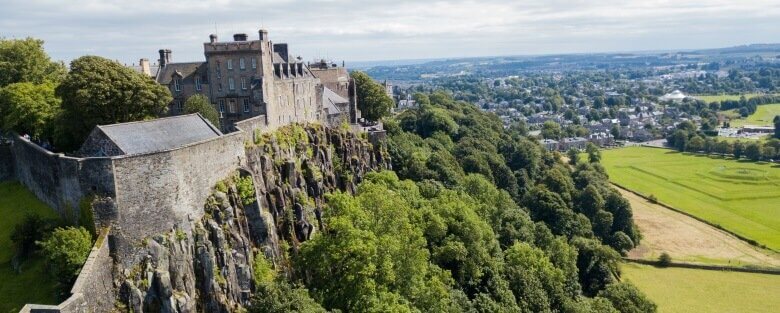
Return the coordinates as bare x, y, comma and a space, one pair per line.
475, 218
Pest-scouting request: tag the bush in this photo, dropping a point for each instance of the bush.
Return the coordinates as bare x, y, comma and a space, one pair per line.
34, 228
652, 199
66, 250
664, 259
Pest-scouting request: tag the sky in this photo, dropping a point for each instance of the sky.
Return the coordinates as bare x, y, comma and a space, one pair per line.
355, 30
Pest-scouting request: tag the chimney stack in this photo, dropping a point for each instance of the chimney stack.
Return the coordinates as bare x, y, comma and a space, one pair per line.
165, 57
213, 38
239, 37
263, 34
144, 63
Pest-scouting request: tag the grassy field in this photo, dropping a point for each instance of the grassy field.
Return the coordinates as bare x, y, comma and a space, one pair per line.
33, 284
763, 116
693, 290
740, 196
714, 98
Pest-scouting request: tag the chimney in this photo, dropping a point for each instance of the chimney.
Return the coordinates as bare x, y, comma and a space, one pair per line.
213, 38
144, 63
165, 57
239, 37
263, 34
281, 48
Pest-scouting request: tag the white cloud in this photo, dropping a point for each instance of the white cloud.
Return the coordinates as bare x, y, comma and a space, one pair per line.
385, 29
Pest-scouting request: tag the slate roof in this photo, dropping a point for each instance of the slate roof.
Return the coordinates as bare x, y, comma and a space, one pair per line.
160, 134
185, 69
330, 100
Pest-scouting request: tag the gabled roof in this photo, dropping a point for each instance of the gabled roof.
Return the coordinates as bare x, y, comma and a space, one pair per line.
330, 99
183, 69
159, 134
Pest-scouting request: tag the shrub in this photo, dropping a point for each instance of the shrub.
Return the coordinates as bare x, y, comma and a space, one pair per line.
664, 259
246, 189
34, 228
652, 198
66, 250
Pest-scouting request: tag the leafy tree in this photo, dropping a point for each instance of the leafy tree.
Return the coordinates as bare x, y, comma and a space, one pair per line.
664, 259
594, 155
551, 130
598, 265
27, 108
696, 144
573, 155
200, 104
25, 61
99, 91
66, 250
723, 147
373, 101
768, 152
739, 149
627, 298
24, 236
776, 120
753, 151
282, 297
536, 283
679, 140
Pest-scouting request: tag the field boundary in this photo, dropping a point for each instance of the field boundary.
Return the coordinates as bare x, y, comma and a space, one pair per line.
706, 267
743, 238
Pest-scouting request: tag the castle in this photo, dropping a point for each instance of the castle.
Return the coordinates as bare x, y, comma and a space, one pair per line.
259, 79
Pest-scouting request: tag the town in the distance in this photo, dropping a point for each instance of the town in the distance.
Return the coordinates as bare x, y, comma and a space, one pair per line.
261, 179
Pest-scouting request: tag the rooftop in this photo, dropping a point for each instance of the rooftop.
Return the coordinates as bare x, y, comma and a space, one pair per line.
160, 134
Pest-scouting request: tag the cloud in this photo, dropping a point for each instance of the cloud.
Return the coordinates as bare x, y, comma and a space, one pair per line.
384, 29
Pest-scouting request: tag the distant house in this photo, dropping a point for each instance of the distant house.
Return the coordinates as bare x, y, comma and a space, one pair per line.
549, 144
148, 136
574, 142
675, 96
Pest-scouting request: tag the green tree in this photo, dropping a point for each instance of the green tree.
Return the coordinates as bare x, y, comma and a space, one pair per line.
25, 61
573, 155
777, 126
696, 144
27, 108
200, 104
598, 265
627, 298
551, 130
594, 155
739, 149
98, 91
754, 151
536, 283
66, 250
373, 101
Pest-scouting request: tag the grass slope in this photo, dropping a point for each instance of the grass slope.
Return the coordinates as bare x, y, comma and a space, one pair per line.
693, 290
763, 116
740, 196
718, 98
33, 285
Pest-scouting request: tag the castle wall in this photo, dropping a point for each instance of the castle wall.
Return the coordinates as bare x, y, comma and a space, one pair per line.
159, 190
6, 163
58, 180
296, 101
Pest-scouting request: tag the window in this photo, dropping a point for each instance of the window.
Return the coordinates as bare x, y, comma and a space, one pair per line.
246, 105
243, 83
221, 105
254, 63
241, 63
198, 86
232, 105
231, 83
230, 64
180, 106
177, 84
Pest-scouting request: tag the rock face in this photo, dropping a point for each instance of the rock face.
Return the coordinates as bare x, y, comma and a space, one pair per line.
210, 268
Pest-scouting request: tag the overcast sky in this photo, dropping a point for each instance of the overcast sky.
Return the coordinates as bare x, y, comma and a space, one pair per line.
355, 30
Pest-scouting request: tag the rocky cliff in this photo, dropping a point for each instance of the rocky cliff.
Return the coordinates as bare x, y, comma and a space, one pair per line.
269, 207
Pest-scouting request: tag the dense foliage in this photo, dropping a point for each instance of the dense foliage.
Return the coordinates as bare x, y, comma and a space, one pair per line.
686, 138
373, 101
25, 61
66, 250
200, 104
482, 219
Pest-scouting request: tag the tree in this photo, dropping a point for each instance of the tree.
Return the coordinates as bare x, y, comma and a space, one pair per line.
777, 126
723, 147
24, 236
739, 149
696, 144
27, 108
25, 61
753, 151
573, 155
594, 155
99, 91
615, 131
679, 140
66, 250
768, 153
551, 130
664, 260
627, 298
373, 101
200, 104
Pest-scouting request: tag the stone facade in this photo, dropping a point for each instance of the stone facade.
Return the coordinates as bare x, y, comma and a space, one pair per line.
249, 78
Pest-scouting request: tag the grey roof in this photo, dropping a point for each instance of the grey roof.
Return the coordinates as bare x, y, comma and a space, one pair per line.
330, 99
160, 134
184, 69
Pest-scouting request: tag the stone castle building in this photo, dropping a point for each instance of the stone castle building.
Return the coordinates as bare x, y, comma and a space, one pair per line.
260, 79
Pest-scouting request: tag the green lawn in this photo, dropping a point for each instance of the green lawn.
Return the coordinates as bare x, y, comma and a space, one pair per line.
693, 290
741, 196
714, 98
763, 116
33, 285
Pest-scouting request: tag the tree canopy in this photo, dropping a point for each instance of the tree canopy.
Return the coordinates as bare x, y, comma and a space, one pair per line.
25, 61
200, 104
373, 101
